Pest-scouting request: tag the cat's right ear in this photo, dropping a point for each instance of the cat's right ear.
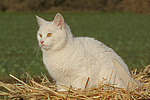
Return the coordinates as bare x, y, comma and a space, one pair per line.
40, 21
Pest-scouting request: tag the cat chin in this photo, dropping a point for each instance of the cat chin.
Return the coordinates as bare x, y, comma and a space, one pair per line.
46, 47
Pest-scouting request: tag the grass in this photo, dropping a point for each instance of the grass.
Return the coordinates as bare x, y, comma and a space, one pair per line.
128, 34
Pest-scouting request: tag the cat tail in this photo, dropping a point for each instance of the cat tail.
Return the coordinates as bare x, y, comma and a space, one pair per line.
125, 76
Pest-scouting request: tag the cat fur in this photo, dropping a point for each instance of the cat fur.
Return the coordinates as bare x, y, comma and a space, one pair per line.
72, 60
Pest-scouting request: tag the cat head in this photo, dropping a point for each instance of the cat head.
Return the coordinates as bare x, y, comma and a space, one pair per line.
52, 34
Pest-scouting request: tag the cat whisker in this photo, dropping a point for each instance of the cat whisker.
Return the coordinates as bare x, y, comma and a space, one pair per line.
38, 51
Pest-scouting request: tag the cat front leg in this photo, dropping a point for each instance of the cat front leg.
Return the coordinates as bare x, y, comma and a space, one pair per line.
80, 82
61, 87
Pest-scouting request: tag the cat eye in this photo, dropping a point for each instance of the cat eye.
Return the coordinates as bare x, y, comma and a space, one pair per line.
40, 35
49, 34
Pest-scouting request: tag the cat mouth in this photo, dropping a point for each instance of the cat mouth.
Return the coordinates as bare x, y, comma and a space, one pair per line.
45, 47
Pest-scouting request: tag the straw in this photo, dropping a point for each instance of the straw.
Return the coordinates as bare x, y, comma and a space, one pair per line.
44, 90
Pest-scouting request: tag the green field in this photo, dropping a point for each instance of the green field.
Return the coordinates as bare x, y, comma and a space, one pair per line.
128, 34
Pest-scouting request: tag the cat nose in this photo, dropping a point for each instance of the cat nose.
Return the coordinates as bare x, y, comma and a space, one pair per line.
41, 42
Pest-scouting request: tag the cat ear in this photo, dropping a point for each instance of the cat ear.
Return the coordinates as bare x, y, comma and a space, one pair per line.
59, 21
40, 21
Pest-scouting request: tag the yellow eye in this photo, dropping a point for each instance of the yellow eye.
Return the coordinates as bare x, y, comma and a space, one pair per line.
49, 34
40, 35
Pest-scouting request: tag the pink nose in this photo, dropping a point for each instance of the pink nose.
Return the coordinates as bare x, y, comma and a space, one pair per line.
41, 42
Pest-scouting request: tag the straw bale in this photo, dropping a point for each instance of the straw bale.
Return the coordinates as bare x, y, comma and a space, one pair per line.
32, 90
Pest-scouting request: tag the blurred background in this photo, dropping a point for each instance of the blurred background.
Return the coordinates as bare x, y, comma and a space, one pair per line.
137, 6
123, 25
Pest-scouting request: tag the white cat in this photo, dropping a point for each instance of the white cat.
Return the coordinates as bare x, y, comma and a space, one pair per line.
72, 60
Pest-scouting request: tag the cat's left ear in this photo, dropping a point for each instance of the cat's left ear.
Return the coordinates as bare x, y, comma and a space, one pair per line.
40, 20
59, 21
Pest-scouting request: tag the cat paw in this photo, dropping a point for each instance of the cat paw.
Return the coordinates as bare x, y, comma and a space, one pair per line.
62, 90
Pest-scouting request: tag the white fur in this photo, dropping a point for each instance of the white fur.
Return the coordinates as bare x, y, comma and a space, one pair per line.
71, 61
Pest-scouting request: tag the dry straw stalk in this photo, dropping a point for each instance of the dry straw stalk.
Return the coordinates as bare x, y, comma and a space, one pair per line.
32, 90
